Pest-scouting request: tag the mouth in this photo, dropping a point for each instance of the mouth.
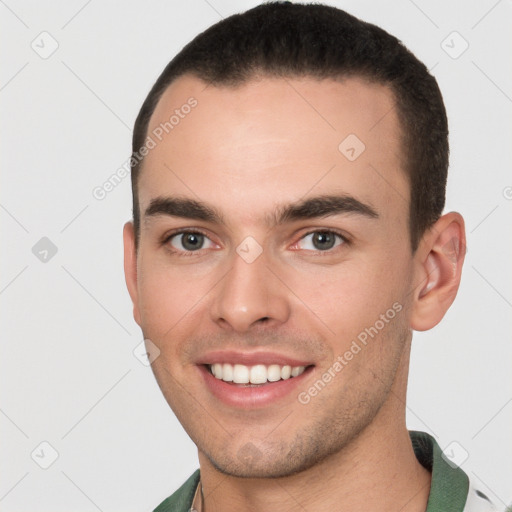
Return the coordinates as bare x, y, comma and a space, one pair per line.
247, 382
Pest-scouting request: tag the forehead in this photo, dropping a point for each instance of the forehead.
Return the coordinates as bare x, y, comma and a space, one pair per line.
273, 140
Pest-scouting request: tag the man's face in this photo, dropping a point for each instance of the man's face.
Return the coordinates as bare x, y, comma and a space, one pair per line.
256, 287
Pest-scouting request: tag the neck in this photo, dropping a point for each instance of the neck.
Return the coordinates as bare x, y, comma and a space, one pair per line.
376, 470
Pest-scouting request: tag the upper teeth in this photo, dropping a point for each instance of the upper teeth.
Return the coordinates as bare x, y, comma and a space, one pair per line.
258, 374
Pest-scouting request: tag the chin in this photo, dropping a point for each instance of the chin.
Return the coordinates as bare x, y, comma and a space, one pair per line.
252, 461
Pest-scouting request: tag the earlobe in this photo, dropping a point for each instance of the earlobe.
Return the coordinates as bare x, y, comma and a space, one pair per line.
438, 271
130, 267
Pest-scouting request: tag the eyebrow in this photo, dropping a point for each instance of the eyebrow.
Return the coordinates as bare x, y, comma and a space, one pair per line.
315, 207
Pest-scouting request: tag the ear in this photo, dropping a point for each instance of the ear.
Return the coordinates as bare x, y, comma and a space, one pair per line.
438, 268
130, 267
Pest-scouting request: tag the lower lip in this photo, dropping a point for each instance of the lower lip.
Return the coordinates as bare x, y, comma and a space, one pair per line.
250, 397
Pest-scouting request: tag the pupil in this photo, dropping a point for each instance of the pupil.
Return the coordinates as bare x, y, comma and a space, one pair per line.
323, 240
192, 241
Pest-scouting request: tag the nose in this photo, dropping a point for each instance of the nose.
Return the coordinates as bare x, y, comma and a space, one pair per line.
249, 295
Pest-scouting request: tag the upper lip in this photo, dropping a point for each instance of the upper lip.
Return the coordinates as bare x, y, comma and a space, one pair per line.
250, 358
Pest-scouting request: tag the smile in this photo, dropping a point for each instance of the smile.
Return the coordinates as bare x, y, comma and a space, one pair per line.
257, 374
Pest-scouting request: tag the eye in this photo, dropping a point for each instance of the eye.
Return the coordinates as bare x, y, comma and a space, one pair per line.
320, 241
189, 241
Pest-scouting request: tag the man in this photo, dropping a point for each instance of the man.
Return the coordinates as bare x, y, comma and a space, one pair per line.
289, 173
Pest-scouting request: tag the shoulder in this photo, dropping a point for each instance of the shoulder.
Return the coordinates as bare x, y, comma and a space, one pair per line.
181, 500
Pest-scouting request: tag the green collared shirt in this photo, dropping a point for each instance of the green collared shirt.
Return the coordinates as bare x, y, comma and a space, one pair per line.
449, 492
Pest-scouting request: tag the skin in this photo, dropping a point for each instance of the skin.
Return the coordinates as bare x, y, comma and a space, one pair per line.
246, 150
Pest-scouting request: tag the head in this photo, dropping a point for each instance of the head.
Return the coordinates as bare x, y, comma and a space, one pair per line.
290, 215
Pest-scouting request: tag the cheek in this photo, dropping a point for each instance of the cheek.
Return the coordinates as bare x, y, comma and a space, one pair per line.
350, 297
167, 298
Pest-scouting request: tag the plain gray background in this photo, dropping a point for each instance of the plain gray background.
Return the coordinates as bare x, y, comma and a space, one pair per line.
68, 375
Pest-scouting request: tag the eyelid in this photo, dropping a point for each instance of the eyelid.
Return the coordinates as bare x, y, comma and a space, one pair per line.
179, 231
342, 235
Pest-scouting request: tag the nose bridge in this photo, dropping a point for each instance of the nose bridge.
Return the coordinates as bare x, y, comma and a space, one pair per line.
249, 292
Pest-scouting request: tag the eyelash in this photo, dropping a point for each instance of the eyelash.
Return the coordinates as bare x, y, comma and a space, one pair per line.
165, 242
